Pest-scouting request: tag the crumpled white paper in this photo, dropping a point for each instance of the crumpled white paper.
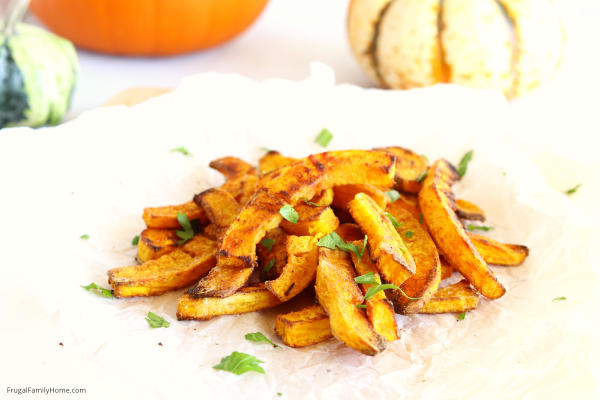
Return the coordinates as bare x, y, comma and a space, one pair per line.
95, 174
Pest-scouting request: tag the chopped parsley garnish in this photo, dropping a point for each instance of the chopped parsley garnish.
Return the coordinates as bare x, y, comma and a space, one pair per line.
559, 298
259, 338
420, 218
573, 189
289, 213
425, 157
265, 149
393, 195
464, 162
422, 176
361, 305
181, 150
368, 279
269, 265
393, 219
84, 237
239, 363
135, 240
156, 321
188, 232
99, 290
461, 316
268, 243
324, 137
409, 234
333, 241
484, 228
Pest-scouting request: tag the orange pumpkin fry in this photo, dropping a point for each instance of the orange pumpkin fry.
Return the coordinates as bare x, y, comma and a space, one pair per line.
394, 261
436, 204
166, 217
497, 253
272, 161
179, 268
423, 284
232, 167
304, 327
245, 300
339, 295
447, 269
349, 232
154, 243
300, 270
220, 206
456, 298
380, 310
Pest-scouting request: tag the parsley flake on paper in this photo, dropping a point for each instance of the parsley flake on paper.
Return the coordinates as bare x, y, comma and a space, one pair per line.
240, 363
461, 316
324, 137
135, 240
464, 162
156, 321
559, 298
258, 337
92, 287
573, 189
84, 237
484, 228
181, 150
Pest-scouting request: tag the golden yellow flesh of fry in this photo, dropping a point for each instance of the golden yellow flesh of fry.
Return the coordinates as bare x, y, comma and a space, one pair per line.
232, 167
166, 217
179, 268
304, 327
288, 185
339, 295
380, 311
247, 299
300, 270
343, 194
154, 243
272, 161
312, 221
388, 251
435, 202
220, 207
425, 281
494, 252
456, 298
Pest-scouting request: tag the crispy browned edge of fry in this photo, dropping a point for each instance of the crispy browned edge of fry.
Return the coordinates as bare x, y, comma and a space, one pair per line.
380, 310
339, 294
166, 217
388, 251
466, 210
154, 243
220, 206
232, 167
300, 269
288, 185
193, 260
435, 202
305, 327
409, 167
245, 300
272, 161
423, 284
497, 253
455, 298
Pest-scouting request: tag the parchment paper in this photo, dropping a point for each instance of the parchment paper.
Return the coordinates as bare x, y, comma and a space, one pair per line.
95, 174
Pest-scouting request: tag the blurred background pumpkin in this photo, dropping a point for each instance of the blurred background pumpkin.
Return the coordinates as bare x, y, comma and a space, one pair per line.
511, 45
147, 28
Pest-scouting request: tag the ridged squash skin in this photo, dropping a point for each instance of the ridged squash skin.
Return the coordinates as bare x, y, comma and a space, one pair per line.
509, 45
38, 72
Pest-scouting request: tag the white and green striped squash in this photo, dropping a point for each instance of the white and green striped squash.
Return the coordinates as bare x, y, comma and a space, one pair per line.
510, 45
38, 71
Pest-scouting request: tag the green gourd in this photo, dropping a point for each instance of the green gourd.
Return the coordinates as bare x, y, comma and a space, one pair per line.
38, 71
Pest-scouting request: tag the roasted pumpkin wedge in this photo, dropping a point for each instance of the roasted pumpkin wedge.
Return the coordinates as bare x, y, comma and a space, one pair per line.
494, 252
154, 243
166, 217
456, 298
305, 327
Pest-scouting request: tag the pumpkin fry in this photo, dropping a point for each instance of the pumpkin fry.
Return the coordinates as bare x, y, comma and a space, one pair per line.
166, 217
494, 252
305, 327
154, 243
456, 298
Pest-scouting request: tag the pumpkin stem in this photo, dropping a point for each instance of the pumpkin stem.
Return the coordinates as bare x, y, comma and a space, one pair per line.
14, 14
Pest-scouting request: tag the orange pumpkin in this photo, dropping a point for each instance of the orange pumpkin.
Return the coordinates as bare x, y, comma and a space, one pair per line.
145, 27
